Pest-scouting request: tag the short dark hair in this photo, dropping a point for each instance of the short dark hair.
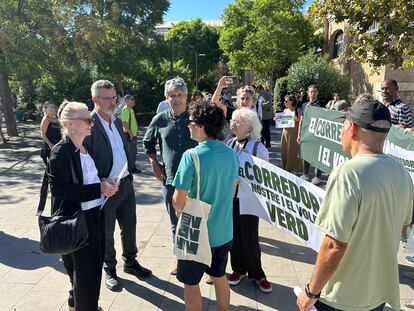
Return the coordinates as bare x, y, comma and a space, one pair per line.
209, 116
312, 86
394, 82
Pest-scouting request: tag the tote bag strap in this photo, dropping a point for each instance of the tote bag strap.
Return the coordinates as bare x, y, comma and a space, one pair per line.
196, 160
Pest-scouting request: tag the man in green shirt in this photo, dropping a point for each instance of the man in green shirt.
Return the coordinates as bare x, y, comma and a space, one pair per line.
170, 128
129, 123
368, 201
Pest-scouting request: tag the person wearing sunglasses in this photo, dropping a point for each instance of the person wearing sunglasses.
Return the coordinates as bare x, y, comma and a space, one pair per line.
108, 147
79, 188
218, 173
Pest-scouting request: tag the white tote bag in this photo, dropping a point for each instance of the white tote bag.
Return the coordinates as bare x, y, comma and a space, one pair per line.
191, 237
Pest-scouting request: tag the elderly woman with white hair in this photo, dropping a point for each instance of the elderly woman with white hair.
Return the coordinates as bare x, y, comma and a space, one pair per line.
170, 129
50, 130
245, 252
75, 185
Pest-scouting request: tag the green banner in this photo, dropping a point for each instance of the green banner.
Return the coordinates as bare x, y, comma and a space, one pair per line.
320, 141
320, 138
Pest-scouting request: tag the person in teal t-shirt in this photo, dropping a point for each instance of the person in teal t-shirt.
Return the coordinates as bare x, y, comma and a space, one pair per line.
218, 172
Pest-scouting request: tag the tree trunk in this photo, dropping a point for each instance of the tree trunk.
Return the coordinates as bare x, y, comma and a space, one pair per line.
7, 104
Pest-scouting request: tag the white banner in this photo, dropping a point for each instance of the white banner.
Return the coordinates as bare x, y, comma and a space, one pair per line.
285, 119
282, 199
404, 156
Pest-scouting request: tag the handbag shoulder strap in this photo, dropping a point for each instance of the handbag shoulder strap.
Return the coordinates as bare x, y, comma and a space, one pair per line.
196, 160
45, 186
43, 194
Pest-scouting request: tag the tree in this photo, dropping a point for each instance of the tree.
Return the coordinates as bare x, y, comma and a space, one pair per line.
314, 69
191, 38
266, 36
115, 36
383, 31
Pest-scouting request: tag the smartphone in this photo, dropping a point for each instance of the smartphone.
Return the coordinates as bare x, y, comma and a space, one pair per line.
229, 80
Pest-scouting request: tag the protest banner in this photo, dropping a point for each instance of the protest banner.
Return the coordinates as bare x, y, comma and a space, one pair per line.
321, 146
280, 198
320, 138
400, 146
285, 119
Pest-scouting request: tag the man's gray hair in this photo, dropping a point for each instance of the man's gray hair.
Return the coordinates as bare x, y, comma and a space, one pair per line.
250, 116
101, 84
175, 85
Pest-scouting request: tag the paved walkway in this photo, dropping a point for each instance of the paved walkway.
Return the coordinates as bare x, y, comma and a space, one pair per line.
31, 280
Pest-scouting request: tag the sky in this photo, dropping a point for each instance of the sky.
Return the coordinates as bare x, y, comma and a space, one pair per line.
204, 9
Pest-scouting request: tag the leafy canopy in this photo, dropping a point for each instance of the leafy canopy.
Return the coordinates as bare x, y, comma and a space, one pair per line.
383, 31
264, 35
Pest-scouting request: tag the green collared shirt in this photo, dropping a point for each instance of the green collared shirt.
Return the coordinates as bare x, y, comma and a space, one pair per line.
174, 136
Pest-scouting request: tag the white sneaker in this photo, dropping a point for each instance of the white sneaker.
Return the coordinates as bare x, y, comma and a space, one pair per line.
305, 177
316, 180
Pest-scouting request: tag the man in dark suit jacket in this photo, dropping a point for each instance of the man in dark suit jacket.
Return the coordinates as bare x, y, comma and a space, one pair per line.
108, 148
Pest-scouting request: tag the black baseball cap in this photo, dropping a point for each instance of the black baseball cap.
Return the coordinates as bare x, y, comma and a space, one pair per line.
365, 112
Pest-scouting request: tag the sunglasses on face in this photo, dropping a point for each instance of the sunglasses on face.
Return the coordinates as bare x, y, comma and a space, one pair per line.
88, 121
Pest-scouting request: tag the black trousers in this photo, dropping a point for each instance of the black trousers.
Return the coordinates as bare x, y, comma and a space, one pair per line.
132, 152
121, 207
245, 252
320, 306
84, 266
306, 168
265, 135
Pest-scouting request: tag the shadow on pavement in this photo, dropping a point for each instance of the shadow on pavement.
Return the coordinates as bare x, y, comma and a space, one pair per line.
25, 254
287, 250
403, 279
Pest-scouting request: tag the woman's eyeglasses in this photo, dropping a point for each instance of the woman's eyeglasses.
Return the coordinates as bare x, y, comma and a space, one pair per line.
237, 123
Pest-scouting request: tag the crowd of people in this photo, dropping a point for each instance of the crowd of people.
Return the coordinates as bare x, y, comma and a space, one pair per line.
94, 162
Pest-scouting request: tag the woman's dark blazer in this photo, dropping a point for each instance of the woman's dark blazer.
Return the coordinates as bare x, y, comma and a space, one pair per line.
66, 179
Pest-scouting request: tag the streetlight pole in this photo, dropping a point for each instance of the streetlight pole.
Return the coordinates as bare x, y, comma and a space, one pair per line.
196, 68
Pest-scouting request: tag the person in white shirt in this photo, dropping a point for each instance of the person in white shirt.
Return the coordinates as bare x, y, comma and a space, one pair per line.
75, 184
108, 148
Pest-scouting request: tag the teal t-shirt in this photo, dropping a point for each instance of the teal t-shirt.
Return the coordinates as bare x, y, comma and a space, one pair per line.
218, 170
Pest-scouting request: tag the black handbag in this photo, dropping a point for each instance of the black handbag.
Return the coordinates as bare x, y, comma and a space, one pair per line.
61, 234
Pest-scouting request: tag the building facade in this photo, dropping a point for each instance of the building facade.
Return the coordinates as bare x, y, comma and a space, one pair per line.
364, 79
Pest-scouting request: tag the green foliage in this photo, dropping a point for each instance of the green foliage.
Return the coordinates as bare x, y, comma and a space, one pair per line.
279, 93
194, 37
315, 69
265, 35
392, 43
53, 50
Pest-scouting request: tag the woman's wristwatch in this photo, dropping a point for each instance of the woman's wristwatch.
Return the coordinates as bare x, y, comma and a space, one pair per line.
309, 294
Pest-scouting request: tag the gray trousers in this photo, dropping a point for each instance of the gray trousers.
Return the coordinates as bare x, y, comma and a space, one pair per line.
132, 152
121, 207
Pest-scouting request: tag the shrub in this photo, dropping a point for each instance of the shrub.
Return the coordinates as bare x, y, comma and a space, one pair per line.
280, 92
316, 69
